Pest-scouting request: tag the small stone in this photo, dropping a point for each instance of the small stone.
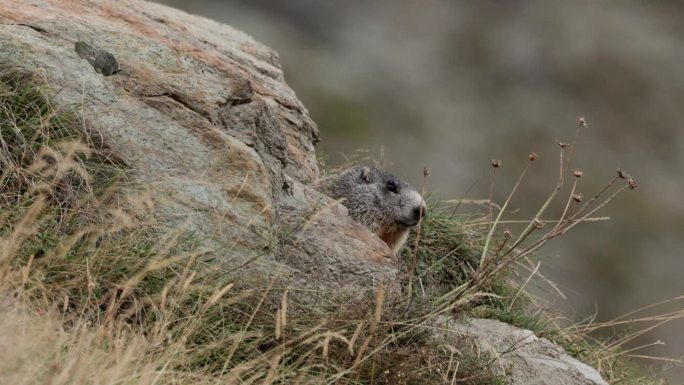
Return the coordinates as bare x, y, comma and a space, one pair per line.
102, 61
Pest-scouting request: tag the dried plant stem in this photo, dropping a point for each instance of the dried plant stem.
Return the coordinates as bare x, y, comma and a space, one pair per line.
594, 198
498, 217
573, 222
246, 326
561, 221
592, 219
491, 196
414, 254
540, 213
522, 288
375, 320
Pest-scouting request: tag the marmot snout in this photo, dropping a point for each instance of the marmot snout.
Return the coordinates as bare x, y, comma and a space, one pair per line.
386, 204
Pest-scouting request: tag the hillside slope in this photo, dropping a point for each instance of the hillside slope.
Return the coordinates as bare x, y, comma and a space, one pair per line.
202, 122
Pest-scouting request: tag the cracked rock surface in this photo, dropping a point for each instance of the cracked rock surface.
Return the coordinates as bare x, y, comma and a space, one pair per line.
521, 357
201, 115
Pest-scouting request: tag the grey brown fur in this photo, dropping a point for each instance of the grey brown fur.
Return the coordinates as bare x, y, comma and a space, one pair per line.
389, 206
102, 61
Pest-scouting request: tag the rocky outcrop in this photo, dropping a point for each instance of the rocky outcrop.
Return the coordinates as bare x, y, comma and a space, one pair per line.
521, 357
201, 114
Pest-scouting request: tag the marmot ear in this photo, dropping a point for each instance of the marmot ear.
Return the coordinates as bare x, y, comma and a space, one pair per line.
366, 175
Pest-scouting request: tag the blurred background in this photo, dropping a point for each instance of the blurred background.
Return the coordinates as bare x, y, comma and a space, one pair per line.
452, 84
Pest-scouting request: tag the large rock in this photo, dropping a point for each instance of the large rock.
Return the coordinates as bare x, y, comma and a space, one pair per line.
202, 116
521, 357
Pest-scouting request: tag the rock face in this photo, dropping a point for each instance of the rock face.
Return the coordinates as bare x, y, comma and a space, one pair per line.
202, 114
522, 357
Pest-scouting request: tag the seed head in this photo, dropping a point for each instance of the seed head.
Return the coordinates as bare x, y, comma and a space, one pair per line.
632, 183
577, 173
582, 122
507, 234
537, 223
496, 163
426, 172
622, 174
563, 145
577, 197
533, 157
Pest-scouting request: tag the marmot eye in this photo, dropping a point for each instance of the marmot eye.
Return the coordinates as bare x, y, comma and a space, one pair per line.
391, 186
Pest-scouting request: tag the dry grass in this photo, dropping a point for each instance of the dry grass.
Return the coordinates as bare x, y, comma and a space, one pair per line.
90, 283
91, 292
487, 275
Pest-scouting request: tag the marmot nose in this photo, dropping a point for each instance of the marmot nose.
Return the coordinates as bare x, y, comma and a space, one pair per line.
420, 212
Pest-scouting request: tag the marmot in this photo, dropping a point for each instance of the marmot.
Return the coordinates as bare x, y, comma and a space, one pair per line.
386, 204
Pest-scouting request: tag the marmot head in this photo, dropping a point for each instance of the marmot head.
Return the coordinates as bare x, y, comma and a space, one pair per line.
390, 200
386, 204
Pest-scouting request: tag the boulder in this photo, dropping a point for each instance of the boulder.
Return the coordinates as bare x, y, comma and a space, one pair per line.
201, 115
520, 356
